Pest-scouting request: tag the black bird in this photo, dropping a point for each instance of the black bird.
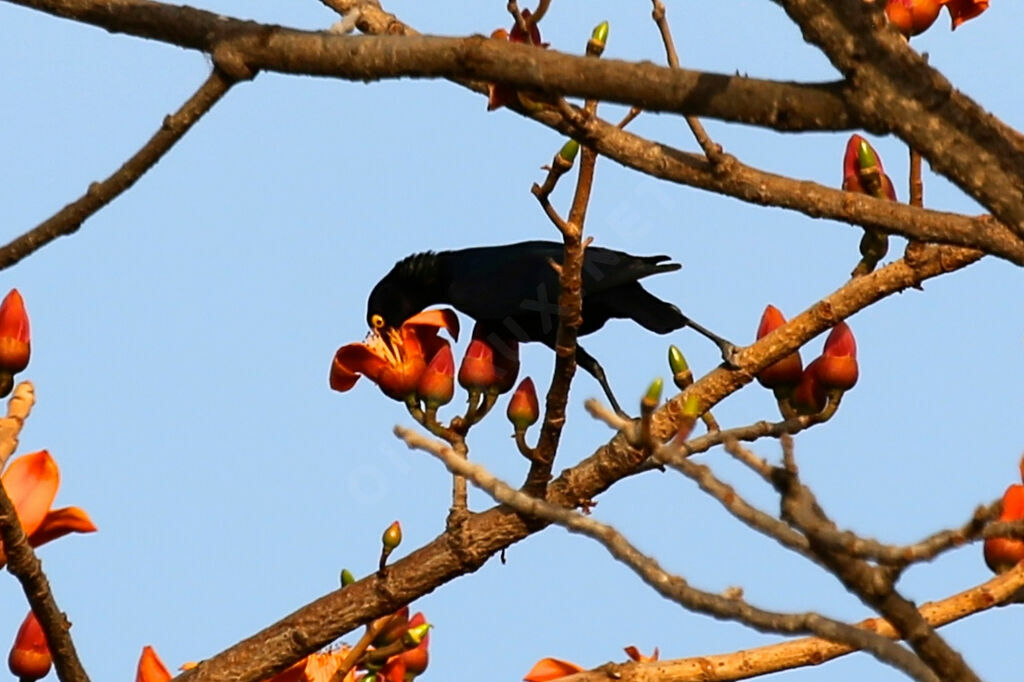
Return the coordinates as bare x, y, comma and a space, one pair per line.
512, 290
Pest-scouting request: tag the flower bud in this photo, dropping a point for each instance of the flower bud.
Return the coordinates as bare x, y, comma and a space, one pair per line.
346, 577
837, 366
1002, 554
569, 151
809, 395
392, 537
782, 374
151, 668
598, 39
418, 638
30, 657
14, 333
653, 395
677, 361
863, 171
437, 383
477, 372
523, 408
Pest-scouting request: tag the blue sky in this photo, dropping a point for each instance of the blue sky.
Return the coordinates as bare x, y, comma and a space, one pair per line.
181, 342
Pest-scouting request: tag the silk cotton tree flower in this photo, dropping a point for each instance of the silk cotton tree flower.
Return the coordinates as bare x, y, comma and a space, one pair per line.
31, 482
394, 359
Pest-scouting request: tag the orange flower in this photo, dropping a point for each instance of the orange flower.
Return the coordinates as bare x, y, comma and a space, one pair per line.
837, 366
30, 657
783, 374
962, 10
477, 371
913, 16
31, 481
863, 171
151, 668
318, 667
394, 359
416, 659
1002, 554
14, 334
547, 669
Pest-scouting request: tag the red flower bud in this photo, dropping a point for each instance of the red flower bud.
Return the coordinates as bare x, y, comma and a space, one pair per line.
30, 658
1002, 554
809, 395
437, 383
523, 408
863, 171
837, 366
912, 16
14, 333
477, 371
784, 373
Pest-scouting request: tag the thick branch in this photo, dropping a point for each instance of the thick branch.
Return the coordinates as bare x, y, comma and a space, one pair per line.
979, 153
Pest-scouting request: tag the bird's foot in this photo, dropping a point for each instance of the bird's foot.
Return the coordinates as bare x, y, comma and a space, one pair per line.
730, 354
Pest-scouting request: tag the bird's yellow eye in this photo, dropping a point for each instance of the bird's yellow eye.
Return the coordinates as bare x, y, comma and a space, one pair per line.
377, 321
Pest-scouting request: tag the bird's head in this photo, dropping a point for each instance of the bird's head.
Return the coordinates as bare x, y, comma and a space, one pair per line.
389, 306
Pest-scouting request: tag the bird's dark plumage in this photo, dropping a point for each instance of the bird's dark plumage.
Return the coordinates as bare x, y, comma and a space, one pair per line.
513, 290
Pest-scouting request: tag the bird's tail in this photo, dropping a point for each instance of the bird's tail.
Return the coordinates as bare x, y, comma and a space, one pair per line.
637, 304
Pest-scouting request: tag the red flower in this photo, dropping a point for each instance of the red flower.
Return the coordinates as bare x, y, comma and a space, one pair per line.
523, 408
417, 658
151, 668
477, 372
31, 481
548, 669
784, 373
394, 359
14, 333
913, 16
863, 171
30, 657
962, 10
837, 366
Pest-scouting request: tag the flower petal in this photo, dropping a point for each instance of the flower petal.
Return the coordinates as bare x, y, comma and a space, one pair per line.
151, 668
445, 318
31, 482
352, 360
547, 669
60, 522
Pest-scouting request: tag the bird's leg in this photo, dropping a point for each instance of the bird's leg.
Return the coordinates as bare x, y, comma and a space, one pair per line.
593, 367
728, 349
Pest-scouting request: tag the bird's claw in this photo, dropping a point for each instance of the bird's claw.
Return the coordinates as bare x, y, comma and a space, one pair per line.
730, 354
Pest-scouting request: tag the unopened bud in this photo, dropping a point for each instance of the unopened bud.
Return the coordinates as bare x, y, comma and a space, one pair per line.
392, 537
653, 395
346, 577
569, 151
415, 634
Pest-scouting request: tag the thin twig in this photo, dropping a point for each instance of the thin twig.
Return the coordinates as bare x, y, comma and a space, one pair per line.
750, 663
67, 220
711, 150
668, 585
25, 566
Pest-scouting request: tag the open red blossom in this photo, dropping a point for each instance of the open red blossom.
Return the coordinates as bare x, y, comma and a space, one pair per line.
863, 171
837, 366
548, 669
394, 359
31, 482
784, 373
963, 10
1002, 554
30, 657
913, 16
151, 668
14, 333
